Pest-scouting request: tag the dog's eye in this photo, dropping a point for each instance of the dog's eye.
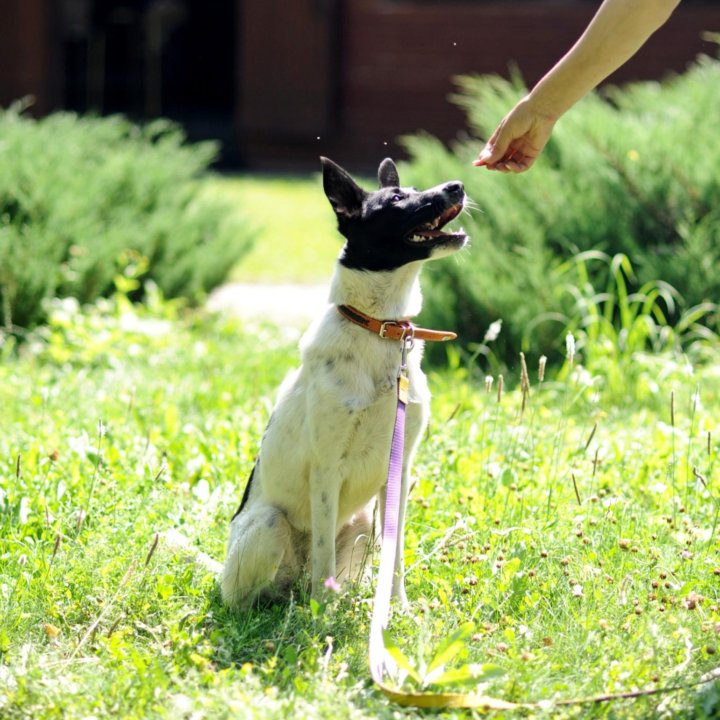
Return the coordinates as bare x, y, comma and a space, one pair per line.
397, 198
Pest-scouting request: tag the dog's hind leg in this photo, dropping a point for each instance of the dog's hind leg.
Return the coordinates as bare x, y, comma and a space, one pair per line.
260, 543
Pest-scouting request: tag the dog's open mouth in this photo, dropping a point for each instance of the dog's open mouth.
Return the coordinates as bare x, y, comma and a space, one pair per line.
431, 233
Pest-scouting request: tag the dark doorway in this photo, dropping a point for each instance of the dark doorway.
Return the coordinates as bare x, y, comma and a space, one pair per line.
154, 58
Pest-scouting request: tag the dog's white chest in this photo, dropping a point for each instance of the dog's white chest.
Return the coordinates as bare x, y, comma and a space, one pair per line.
364, 460
334, 421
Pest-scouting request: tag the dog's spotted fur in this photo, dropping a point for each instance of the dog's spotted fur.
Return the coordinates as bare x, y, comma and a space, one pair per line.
323, 459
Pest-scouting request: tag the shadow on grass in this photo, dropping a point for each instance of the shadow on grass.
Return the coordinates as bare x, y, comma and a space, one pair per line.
290, 641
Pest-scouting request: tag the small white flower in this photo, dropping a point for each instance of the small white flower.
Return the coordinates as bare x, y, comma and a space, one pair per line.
80, 445
201, 490
493, 331
570, 348
541, 368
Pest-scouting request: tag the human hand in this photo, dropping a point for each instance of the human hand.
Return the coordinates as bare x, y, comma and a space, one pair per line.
518, 140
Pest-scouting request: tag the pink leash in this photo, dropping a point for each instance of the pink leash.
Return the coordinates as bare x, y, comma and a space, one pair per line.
377, 653
383, 591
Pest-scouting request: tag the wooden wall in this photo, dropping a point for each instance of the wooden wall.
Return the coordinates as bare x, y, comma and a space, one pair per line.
345, 78
397, 61
25, 54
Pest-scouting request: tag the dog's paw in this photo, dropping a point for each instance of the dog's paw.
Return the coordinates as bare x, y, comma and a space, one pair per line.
180, 546
401, 598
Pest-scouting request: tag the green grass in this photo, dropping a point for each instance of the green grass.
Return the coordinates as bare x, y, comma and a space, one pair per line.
293, 219
578, 536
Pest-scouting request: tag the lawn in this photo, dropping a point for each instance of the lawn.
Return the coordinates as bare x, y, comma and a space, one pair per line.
578, 535
292, 219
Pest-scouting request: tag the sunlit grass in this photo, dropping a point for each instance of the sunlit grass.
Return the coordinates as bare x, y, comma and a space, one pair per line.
579, 538
296, 238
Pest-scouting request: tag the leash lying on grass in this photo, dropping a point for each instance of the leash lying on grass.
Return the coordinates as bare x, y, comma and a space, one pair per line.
379, 657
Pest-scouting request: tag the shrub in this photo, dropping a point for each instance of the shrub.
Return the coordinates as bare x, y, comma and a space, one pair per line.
624, 340
632, 171
80, 196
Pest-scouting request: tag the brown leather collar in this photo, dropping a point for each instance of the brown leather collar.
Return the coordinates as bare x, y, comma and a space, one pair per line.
393, 329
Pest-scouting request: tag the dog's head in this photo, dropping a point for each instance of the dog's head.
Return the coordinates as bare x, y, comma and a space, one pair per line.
392, 226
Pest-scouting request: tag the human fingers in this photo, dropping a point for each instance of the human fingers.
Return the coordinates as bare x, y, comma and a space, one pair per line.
518, 140
495, 149
516, 162
507, 136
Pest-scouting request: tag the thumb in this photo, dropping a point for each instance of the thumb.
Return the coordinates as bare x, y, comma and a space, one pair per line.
495, 148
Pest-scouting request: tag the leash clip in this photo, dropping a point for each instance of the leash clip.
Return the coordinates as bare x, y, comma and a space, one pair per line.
403, 380
408, 343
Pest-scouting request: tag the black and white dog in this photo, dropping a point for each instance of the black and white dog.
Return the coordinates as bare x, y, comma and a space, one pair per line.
324, 456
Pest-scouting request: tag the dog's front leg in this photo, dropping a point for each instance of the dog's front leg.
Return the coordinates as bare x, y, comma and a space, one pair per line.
323, 514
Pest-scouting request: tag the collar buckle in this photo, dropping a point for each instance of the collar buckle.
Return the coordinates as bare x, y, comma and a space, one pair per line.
407, 329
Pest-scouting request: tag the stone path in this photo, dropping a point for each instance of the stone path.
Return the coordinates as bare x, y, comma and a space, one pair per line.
294, 305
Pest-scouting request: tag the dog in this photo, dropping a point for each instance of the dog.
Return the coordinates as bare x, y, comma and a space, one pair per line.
323, 458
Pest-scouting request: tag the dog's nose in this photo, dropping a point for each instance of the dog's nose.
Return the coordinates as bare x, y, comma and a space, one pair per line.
454, 188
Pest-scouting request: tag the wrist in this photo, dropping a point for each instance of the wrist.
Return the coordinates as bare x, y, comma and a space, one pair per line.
544, 106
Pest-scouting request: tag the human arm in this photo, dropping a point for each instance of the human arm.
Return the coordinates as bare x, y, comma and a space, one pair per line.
614, 35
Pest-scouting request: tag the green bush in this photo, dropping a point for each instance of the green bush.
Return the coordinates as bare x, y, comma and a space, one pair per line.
82, 197
633, 171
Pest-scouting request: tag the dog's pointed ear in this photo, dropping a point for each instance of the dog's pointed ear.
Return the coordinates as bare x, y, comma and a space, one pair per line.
344, 194
388, 174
